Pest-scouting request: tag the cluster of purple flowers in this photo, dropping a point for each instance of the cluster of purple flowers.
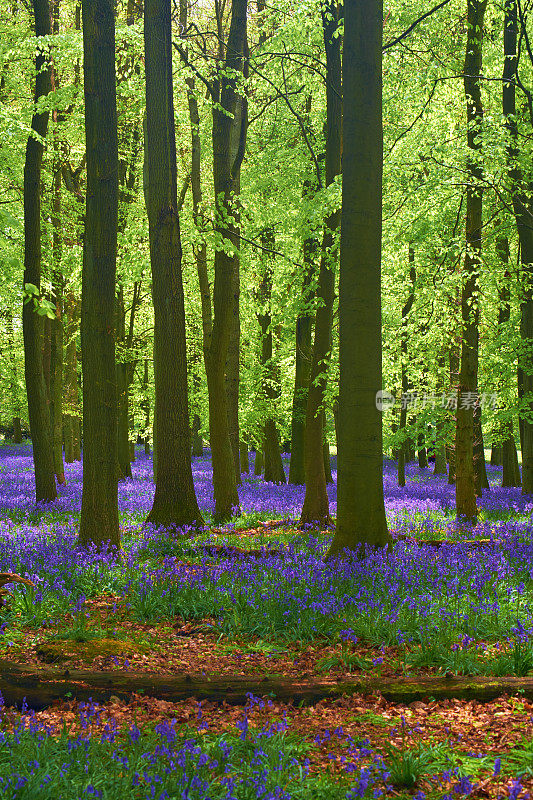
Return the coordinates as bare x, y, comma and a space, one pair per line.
427, 500
411, 594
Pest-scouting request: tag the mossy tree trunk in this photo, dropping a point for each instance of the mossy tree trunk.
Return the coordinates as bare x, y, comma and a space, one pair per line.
32, 322
175, 502
99, 506
361, 516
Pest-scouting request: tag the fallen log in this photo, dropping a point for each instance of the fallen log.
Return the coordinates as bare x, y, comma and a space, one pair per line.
43, 686
229, 550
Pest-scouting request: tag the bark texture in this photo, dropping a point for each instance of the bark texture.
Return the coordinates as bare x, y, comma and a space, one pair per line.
227, 123
99, 506
175, 502
361, 516
32, 322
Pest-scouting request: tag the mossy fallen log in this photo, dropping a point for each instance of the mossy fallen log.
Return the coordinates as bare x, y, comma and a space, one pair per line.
42, 686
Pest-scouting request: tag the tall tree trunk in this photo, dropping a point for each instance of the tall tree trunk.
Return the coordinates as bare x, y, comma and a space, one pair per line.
259, 462
467, 397
13, 381
32, 323
508, 456
274, 472
17, 431
422, 452
71, 412
245, 461
123, 448
440, 459
226, 168
145, 406
406, 310
200, 247
232, 378
440, 438
99, 505
453, 360
197, 441
480, 467
316, 504
56, 328
522, 202
496, 455
129, 138
361, 516
511, 468
175, 502
303, 342
327, 461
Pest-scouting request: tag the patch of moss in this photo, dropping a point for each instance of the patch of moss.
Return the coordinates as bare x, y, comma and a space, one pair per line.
55, 651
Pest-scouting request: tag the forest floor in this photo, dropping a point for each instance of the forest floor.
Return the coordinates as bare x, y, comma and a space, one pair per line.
256, 599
